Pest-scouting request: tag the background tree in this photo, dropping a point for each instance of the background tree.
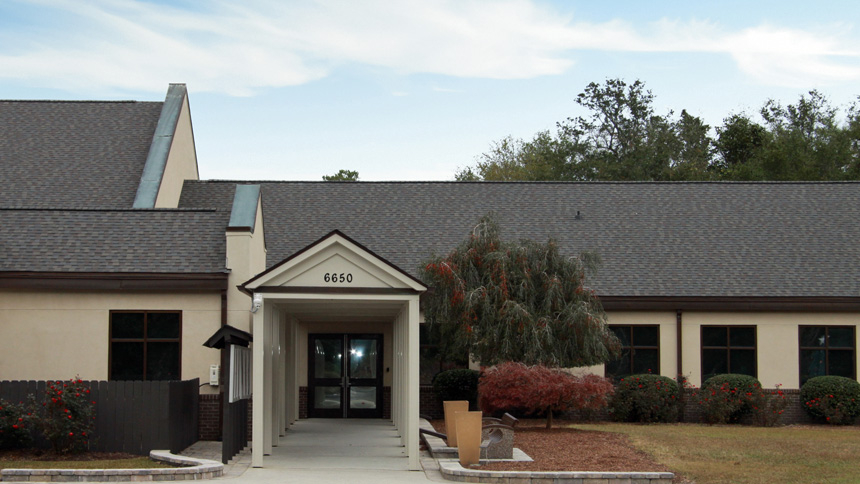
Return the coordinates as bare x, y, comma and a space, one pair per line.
523, 302
738, 146
542, 158
342, 175
621, 137
806, 141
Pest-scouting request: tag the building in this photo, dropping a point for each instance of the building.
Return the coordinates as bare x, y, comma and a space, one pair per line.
118, 263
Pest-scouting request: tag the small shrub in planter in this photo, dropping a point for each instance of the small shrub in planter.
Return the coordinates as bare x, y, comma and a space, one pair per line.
459, 384
834, 399
541, 390
727, 398
16, 422
68, 414
646, 398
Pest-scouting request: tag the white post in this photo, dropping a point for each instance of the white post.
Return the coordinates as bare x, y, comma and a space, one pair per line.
413, 390
282, 374
259, 387
267, 372
294, 370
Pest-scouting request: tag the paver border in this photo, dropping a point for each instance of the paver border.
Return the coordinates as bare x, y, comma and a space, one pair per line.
194, 469
453, 471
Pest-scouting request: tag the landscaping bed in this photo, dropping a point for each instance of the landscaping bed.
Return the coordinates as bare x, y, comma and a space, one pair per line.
569, 449
39, 459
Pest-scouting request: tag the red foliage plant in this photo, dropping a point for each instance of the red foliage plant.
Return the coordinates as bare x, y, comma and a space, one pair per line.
538, 389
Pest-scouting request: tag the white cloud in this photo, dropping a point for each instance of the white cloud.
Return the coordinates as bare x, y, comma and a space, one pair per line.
237, 49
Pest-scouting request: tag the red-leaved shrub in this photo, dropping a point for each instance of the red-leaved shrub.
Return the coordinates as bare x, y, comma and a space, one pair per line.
538, 389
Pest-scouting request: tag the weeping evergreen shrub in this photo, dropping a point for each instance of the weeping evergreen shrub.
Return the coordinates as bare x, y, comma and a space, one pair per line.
523, 302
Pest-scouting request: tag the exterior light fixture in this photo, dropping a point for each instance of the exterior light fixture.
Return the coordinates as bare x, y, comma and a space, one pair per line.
257, 302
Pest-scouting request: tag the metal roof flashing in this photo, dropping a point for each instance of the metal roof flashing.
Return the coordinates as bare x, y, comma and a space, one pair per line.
243, 214
156, 160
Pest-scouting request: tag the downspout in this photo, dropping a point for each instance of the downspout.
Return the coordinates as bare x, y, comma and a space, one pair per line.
678, 325
225, 361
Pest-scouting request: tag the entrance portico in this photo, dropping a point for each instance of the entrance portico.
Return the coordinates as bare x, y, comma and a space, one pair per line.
334, 288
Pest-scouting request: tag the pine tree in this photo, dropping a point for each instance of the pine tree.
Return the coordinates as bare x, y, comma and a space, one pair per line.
523, 302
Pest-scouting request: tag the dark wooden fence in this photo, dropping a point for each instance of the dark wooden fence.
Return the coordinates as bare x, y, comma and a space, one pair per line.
131, 416
234, 432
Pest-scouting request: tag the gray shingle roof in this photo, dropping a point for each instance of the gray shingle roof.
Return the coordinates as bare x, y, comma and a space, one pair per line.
655, 239
67, 154
156, 241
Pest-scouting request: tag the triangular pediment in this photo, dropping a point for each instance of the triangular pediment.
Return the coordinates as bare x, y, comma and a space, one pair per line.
335, 261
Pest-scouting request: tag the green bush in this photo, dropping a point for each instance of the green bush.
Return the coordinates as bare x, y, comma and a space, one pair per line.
834, 399
728, 398
459, 384
646, 398
15, 426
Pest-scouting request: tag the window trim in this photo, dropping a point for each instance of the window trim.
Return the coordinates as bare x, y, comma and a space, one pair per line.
633, 347
728, 347
826, 348
143, 340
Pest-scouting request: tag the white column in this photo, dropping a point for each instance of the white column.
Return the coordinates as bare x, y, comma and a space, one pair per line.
395, 376
413, 398
294, 369
282, 372
267, 376
259, 387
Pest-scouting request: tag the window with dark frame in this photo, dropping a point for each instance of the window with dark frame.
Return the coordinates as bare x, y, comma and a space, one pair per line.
827, 350
728, 349
640, 351
145, 345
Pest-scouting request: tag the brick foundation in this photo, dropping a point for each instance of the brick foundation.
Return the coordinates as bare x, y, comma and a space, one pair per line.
431, 406
429, 403
303, 402
209, 417
386, 402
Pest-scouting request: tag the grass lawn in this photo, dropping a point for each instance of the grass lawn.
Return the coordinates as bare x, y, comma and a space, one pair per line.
741, 454
134, 463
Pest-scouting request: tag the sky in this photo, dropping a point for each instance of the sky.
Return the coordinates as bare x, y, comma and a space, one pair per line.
415, 90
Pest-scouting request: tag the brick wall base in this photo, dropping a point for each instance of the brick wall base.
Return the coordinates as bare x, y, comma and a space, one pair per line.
429, 403
303, 402
431, 406
209, 417
386, 402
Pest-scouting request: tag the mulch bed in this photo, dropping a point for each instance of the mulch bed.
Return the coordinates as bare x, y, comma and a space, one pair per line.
45, 455
564, 449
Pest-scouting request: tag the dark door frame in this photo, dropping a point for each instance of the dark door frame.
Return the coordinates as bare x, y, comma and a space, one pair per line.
345, 381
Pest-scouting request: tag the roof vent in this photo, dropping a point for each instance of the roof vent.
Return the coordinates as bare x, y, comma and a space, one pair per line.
578, 216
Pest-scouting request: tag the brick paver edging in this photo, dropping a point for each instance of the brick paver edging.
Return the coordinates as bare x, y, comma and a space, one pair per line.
195, 469
452, 470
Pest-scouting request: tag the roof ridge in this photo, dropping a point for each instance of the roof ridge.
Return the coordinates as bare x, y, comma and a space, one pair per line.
105, 209
90, 101
546, 182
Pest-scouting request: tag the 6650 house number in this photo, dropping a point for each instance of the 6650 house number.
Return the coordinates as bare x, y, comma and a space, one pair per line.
337, 277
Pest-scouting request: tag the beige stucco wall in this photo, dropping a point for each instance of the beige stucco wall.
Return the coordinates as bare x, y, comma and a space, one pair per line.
357, 327
181, 161
57, 335
777, 341
776, 333
246, 257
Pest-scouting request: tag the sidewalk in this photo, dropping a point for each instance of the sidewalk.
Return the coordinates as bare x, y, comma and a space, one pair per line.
330, 451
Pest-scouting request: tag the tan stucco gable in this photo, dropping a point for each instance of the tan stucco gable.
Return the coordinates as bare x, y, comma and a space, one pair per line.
334, 262
172, 156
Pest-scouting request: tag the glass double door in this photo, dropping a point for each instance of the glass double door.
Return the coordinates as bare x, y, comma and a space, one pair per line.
345, 375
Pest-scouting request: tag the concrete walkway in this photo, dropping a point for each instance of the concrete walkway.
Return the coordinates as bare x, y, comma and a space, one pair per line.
331, 451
